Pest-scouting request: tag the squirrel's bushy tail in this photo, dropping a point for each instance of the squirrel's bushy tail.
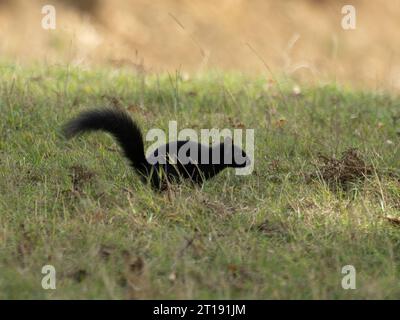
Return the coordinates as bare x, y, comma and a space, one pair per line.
116, 122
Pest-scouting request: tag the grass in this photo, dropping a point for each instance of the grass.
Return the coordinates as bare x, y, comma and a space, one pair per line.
273, 234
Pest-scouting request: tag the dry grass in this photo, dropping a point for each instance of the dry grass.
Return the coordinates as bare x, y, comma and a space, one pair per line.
300, 39
350, 168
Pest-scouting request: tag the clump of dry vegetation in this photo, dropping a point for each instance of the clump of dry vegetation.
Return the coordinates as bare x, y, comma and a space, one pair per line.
349, 168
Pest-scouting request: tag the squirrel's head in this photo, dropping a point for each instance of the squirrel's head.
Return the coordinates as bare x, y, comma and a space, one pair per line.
233, 156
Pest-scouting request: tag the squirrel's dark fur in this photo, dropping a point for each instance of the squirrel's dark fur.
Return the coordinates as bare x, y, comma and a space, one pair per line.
128, 135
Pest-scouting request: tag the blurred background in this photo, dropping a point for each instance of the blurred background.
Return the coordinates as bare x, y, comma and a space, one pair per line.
301, 39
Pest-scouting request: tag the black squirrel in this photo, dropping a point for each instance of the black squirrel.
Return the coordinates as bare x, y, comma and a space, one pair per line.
166, 164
